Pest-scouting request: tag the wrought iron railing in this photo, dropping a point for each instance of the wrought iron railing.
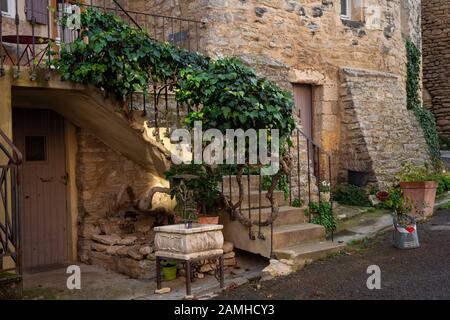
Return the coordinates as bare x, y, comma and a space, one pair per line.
43, 27
10, 213
310, 166
159, 106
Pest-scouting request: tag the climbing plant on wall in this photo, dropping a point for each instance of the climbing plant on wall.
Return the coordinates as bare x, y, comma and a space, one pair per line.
414, 102
121, 60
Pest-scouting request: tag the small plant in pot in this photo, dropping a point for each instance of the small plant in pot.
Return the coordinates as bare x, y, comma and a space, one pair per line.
185, 208
418, 184
200, 185
405, 234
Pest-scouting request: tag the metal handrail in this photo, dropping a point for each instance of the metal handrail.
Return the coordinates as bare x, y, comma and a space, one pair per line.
10, 203
16, 157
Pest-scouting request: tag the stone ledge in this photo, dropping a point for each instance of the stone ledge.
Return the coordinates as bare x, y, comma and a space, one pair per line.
367, 73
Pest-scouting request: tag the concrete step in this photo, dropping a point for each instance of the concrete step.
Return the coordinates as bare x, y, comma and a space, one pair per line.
286, 215
255, 198
254, 183
285, 236
290, 235
309, 251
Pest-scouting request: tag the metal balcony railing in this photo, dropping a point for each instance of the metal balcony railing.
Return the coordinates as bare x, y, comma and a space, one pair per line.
29, 42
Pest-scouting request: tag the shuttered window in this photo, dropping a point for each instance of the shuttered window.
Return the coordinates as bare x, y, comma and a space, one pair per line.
7, 7
37, 9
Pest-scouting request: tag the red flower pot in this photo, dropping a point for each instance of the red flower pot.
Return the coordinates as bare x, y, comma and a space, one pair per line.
382, 195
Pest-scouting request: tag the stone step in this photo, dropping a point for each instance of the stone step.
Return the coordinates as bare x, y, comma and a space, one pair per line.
255, 198
286, 215
294, 234
285, 236
309, 251
254, 183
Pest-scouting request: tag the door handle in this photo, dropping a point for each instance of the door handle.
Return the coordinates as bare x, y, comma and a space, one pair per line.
46, 180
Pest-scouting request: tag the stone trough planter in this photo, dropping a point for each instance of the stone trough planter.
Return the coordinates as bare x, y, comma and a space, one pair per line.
180, 241
189, 245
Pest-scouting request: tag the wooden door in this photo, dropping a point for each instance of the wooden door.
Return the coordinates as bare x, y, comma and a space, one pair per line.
303, 105
39, 134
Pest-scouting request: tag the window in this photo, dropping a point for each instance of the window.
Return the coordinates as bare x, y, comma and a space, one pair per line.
37, 9
35, 148
7, 7
346, 9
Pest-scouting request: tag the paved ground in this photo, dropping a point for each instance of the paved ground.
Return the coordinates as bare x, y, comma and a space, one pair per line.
422, 273
100, 284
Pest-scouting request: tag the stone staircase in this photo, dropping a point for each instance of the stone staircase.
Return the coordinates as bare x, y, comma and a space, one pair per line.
293, 237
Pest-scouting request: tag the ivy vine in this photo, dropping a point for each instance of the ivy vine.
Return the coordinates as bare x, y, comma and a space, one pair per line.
120, 59
414, 102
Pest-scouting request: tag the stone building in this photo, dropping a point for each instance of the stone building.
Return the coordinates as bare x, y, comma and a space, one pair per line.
88, 172
344, 59
436, 61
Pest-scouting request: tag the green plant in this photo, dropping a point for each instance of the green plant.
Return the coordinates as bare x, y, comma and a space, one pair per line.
411, 173
401, 207
414, 102
197, 183
121, 60
232, 96
391, 203
283, 185
322, 214
351, 195
325, 187
297, 203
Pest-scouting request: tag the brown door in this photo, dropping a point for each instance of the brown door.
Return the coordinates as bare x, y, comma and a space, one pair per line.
303, 105
39, 134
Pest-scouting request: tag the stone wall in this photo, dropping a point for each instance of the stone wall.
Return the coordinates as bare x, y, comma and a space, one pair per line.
411, 21
436, 60
112, 232
377, 127
292, 41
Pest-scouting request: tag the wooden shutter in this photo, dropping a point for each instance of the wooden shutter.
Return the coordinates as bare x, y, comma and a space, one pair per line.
38, 9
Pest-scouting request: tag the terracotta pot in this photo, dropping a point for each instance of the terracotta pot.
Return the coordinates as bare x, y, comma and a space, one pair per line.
423, 196
382, 195
208, 219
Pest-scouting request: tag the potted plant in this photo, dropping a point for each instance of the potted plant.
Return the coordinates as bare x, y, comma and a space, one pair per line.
188, 238
405, 234
418, 184
382, 195
202, 184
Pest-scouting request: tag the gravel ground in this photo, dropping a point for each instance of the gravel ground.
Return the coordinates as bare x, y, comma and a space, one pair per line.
422, 273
